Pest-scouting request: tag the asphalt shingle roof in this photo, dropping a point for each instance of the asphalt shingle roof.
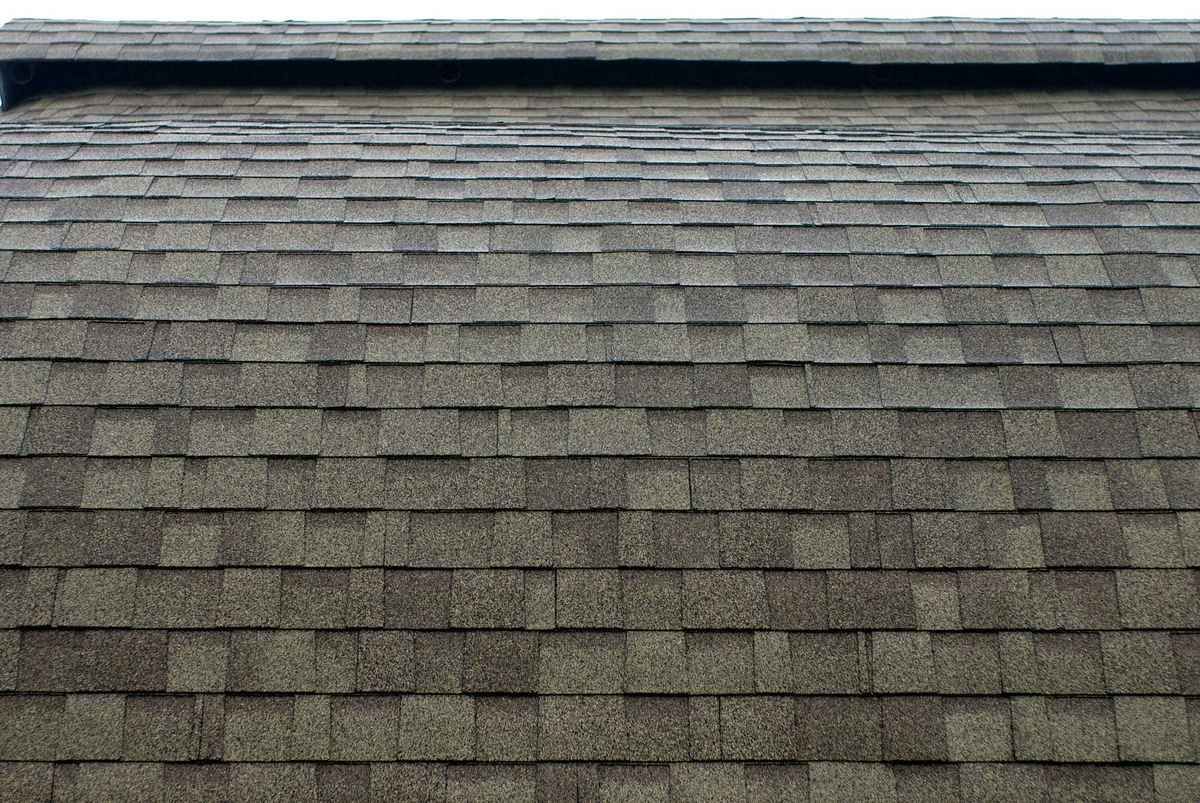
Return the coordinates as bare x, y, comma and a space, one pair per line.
557, 453
927, 41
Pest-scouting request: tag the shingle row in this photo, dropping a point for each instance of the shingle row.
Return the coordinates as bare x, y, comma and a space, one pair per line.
642, 241
982, 308
329, 198
601, 540
702, 600
729, 173
513, 483
411, 148
787, 387
1168, 110
634, 661
902, 782
375, 727
835, 273
491, 344
432, 142
842, 183
343, 157
586, 431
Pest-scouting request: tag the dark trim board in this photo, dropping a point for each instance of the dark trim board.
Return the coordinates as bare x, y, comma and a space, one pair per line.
30, 79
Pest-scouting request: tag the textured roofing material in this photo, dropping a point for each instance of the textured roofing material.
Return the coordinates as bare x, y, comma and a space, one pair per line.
927, 41
595, 458
1093, 109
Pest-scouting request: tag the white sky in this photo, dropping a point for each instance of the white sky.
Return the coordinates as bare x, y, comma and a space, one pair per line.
567, 9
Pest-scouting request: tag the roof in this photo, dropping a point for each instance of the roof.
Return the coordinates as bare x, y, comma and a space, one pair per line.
522, 449
926, 41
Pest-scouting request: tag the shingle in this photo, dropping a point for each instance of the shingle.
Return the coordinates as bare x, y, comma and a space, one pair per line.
501, 662
843, 386
118, 341
874, 600
756, 540
657, 484
655, 662
342, 782
738, 432
652, 385
1152, 729
902, 662
177, 598
866, 432
1070, 663
493, 598
364, 727
1158, 598
506, 728
601, 431
285, 431
233, 482
994, 599
1005, 781
385, 305
1168, 433
708, 782
1095, 388
913, 728
96, 598
350, 433
977, 729
197, 661
720, 663
59, 430
582, 728
1082, 539
436, 727
1138, 663
466, 782
279, 660
220, 432
348, 482
158, 728
92, 727
588, 598
838, 729
1186, 647
724, 599
651, 599
313, 598
674, 433
1086, 599
29, 726
759, 727
257, 727
1090, 782
25, 382
1082, 729
581, 662
438, 662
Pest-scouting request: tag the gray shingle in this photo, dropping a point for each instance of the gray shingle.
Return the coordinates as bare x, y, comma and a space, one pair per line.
582, 727
724, 599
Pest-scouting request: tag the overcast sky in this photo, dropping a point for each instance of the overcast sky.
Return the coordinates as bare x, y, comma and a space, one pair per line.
567, 9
